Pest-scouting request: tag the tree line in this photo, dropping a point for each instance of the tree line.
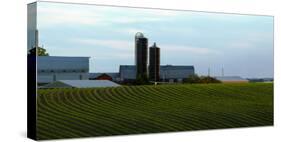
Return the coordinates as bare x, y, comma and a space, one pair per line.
194, 78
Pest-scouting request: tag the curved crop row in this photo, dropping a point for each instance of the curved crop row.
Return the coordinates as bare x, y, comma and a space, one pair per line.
66, 113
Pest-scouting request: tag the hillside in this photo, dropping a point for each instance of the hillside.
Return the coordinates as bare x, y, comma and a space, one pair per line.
66, 113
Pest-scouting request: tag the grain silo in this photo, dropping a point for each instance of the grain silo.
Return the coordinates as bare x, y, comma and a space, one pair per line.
141, 44
154, 63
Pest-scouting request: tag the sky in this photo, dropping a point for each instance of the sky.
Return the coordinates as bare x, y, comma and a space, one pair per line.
240, 44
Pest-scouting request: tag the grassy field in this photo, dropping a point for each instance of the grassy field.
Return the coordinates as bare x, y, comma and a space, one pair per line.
67, 113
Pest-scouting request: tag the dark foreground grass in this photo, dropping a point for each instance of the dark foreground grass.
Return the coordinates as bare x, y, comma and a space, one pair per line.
68, 113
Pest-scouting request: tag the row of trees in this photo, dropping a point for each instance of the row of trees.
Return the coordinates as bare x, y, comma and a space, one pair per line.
200, 79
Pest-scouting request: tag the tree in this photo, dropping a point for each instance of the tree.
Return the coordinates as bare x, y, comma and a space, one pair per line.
193, 78
208, 79
40, 51
142, 80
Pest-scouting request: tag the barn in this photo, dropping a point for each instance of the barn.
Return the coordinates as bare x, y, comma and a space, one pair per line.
80, 84
231, 79
113, 76
168, 73
53, 68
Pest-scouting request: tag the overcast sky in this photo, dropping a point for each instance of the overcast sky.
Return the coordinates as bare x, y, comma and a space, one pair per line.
241, 44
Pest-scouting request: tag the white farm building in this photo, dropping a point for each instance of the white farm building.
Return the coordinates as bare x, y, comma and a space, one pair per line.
54, 68
231, 79
81, 84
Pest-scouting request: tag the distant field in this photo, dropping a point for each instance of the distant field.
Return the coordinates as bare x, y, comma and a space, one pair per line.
67, 113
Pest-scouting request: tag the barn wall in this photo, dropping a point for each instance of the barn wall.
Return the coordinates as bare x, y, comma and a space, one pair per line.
50, 77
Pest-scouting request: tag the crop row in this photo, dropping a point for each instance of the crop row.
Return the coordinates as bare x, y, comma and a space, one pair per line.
67, 113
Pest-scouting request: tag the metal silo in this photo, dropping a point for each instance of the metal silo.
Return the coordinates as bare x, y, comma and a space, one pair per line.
141, 44
154, 63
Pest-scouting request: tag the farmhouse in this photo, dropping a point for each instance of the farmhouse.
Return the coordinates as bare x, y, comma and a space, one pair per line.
168, 73
53, 68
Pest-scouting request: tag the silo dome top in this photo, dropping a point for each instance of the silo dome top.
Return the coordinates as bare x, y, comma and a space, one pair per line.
139, 35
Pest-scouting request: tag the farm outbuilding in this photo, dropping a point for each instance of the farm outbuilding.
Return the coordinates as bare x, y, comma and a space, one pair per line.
231, 79
54, 68
80, 84
168, 73
113, 76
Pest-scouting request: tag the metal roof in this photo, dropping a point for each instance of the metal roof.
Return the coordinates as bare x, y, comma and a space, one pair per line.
111, 74
139, 35
230, 78
166, 71
81, 84
172, 67
62, 63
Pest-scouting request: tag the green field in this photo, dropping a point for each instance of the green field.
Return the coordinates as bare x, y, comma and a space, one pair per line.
67, 113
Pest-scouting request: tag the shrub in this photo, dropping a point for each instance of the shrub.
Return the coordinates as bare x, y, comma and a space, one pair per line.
141, 80
208, 79
194, 78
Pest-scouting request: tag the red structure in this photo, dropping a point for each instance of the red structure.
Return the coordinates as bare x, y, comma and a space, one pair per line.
104, 76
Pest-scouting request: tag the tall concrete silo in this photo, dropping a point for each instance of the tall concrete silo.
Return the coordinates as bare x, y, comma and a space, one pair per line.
141, 45
154, 63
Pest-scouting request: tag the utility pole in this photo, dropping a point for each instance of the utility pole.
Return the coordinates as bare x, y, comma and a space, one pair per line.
209, 70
